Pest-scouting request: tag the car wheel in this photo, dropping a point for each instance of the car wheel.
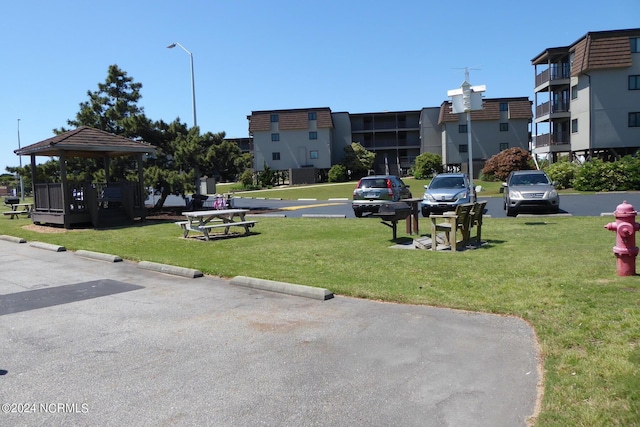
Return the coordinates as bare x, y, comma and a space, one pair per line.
425, 212
357, 213
512, 212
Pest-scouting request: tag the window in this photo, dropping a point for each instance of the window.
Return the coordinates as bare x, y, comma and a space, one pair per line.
313, 154
275, 137
463, 148
313, 135
462, 128
635, 44
504, 106
634, 82
313, 115
574, 125
574, 92
275, 155
634, 120
504, 146
275, 118
504, 127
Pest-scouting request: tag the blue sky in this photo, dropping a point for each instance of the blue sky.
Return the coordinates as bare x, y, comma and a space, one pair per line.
351, 55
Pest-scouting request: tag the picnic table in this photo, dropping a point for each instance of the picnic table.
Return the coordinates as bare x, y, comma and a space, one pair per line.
204, 221
19, 208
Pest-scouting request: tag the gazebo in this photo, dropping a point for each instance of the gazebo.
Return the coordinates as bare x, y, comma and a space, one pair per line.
113, 202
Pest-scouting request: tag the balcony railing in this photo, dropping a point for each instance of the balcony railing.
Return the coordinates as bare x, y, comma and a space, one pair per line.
549, 107
554, 72
548, 139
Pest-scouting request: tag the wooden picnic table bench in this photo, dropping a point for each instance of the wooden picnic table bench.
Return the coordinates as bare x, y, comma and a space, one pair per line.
18, 209
204, 221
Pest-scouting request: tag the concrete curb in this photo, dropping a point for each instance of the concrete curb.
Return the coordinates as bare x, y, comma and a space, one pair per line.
283, 288
266, 215
99, 256
322, 216
48, 246
12, 239
170, 269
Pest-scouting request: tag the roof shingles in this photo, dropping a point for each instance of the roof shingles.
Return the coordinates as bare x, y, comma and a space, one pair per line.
86, 142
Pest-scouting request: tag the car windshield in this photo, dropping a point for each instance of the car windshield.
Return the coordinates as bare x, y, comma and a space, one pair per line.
373, 183
530, 179
447, 182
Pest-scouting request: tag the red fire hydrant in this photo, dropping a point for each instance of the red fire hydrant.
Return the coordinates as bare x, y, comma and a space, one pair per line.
625, 249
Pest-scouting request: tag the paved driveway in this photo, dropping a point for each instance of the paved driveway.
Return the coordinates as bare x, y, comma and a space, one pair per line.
86, 342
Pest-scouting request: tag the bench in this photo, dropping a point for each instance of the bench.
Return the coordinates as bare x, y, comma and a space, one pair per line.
475, 220
16, 213
246, 224
454, 221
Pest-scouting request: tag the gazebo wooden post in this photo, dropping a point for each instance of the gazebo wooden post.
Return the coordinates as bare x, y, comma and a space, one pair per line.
63, 181
141, 191
107, 163
33, 180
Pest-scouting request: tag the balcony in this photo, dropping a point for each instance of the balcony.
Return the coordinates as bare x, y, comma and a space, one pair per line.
552, 142
555, 74
550, 108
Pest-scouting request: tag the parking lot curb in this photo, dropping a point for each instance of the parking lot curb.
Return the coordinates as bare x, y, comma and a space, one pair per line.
322, 216
170, 269
283, 287
98, 255
12, 239
48, 246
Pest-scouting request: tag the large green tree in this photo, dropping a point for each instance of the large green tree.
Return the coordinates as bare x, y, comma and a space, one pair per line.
358, 159
113, 107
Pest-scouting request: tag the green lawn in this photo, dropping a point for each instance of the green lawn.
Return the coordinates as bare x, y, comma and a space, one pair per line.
559, 274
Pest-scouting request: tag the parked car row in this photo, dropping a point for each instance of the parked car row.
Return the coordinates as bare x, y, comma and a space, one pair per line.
526, 190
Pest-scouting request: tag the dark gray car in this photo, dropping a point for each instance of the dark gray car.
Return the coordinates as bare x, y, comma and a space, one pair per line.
530, 190
371, 192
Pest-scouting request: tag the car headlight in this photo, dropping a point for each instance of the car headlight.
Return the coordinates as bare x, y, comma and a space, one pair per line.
428, 197
553, 194
513, 194
461, 195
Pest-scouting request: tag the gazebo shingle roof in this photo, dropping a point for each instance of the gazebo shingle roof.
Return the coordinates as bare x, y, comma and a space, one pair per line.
86, 142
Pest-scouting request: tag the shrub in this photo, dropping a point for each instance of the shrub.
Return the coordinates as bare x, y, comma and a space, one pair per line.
338, 173
427, 164
499, 166
266, 178
246, 178
597, 175
563, 173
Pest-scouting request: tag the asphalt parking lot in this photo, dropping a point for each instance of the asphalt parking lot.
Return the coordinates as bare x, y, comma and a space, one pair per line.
89, 342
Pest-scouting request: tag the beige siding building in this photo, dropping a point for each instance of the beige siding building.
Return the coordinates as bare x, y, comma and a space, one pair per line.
502, 123
316, 137
587, 96
292, 139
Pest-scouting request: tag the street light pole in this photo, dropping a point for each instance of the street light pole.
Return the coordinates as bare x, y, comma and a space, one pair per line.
20, 173
193, 83
193, 101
